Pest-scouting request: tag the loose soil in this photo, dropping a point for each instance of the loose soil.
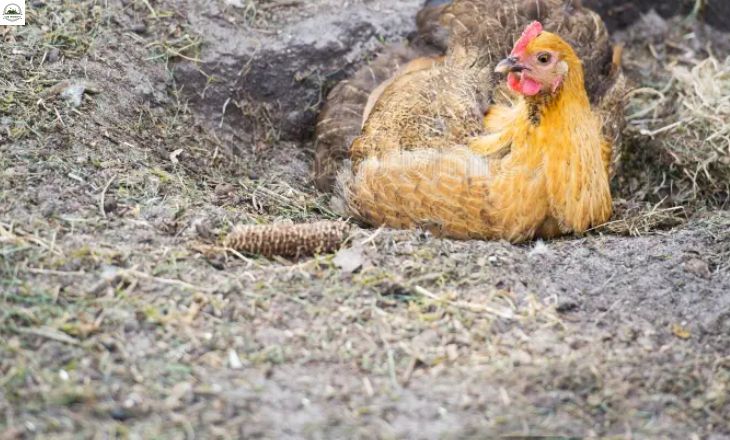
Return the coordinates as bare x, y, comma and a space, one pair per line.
195, 116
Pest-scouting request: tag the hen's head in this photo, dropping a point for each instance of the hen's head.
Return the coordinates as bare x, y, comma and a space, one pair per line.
539, 63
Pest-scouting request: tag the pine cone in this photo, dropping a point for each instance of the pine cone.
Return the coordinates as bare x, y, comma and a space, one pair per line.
287, 240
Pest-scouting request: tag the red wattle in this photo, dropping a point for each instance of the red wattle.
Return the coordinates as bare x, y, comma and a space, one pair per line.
514, 83
524, 85
530, 87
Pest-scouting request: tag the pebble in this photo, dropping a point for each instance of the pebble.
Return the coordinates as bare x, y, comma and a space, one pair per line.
698, 267
53, 55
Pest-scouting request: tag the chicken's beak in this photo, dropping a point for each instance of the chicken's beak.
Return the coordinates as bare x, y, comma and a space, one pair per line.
509, 64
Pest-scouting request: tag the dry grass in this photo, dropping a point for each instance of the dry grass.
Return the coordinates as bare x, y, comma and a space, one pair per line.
700, 141
695, 135
638, 219
679, 136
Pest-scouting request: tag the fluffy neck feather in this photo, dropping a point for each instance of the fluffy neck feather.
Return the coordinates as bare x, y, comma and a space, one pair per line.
566, 136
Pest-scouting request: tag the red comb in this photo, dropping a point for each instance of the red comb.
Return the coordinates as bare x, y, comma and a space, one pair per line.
530, 33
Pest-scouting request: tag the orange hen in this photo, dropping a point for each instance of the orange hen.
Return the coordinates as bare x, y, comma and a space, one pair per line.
539, 169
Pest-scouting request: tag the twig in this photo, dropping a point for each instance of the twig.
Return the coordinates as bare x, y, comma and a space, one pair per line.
391, 369
49, 333
63, 273
506, 314
241, 257
667, 128
223, 111
58, 115
103, 195
372, 236
149, 6
11, 233
168, 281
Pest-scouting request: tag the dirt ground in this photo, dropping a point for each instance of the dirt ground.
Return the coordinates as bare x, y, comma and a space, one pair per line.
133, 131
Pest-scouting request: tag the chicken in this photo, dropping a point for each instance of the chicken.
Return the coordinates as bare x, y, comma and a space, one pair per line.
462, 40
536, 168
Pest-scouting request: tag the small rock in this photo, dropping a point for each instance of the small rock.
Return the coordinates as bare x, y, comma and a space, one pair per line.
717, 323
223, 189
350, 259
203, 228
218, 262
73, 94
121, 414
698, 267
234, 361
131, 326
48, 209
567, 305
53, 55
139, 28
110, 205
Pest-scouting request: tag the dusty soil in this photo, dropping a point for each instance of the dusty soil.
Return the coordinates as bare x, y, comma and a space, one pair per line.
195, 116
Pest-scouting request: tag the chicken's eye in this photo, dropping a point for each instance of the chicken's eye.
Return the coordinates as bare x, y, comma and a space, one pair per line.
543, 58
